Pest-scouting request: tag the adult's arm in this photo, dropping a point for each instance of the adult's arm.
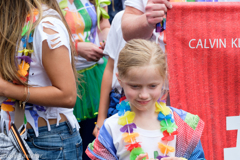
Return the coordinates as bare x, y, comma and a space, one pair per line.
138, 24
58, 67
104, 28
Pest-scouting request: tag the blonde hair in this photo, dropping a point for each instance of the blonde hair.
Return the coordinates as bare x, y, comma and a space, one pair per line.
139, 53
12, 18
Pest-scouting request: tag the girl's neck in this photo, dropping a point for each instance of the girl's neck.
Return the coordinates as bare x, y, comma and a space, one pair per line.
145, 113
146, 119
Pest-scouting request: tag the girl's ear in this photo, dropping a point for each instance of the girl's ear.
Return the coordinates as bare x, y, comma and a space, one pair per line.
119, 80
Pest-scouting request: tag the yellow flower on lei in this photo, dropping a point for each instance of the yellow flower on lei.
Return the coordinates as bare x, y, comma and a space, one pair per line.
128, 138
26, 51
161, 107
165, 149
23, 68
127, 118
183, 158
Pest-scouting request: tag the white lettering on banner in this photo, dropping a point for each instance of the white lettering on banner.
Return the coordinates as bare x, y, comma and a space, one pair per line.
208, 43
233, 123
213, 43
190, 43
223, 43
205, 43
199, 43
234, 42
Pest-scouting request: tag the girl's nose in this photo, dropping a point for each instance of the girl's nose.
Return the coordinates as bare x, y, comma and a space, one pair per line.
144, 94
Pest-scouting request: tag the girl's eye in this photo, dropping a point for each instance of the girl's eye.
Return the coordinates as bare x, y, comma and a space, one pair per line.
134, 86
153, 86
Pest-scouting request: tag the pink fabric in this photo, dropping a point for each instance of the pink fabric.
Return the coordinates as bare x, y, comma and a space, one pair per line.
204, 77
100, 150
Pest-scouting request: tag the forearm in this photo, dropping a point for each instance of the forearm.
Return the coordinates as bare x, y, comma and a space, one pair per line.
104, 28
103, 34
106, 88
104, 97
44, 96
134, 25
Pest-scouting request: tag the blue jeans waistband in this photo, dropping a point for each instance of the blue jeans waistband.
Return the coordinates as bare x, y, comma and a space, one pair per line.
63, 126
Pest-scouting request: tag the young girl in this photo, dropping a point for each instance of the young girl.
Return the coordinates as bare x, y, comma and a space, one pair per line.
37, 68
144, 127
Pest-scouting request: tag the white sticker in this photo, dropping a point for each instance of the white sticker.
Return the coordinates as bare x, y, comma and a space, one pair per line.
233, 123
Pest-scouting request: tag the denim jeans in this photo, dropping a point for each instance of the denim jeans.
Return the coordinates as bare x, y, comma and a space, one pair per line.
61, 143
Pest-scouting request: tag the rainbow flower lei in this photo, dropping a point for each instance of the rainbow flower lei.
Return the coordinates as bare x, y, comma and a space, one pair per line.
23, 67
167, 124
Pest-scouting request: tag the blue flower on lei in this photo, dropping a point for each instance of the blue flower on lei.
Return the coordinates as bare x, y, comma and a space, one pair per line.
162, 117
123, 107
24, 40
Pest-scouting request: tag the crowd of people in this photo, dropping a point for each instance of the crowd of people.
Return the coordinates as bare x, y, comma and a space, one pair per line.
80, 78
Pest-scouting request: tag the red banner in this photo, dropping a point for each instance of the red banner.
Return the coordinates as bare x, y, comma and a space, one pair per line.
203, 51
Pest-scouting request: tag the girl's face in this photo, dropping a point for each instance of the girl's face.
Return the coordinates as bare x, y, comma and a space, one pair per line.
142, 87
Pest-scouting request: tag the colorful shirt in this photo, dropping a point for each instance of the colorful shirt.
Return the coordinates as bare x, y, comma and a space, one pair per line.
82, 19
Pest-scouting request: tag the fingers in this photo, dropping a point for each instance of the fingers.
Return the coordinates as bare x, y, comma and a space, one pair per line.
102, 44
96, 54
155, 16
155, 11
166, 2
141, 156
156, 7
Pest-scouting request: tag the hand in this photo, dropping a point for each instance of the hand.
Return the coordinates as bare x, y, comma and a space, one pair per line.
95, 131
102, 44
155, 11
89, 51
141, 156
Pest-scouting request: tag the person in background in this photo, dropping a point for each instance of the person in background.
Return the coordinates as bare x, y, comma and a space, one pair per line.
90, 34
111, 91
115, 7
